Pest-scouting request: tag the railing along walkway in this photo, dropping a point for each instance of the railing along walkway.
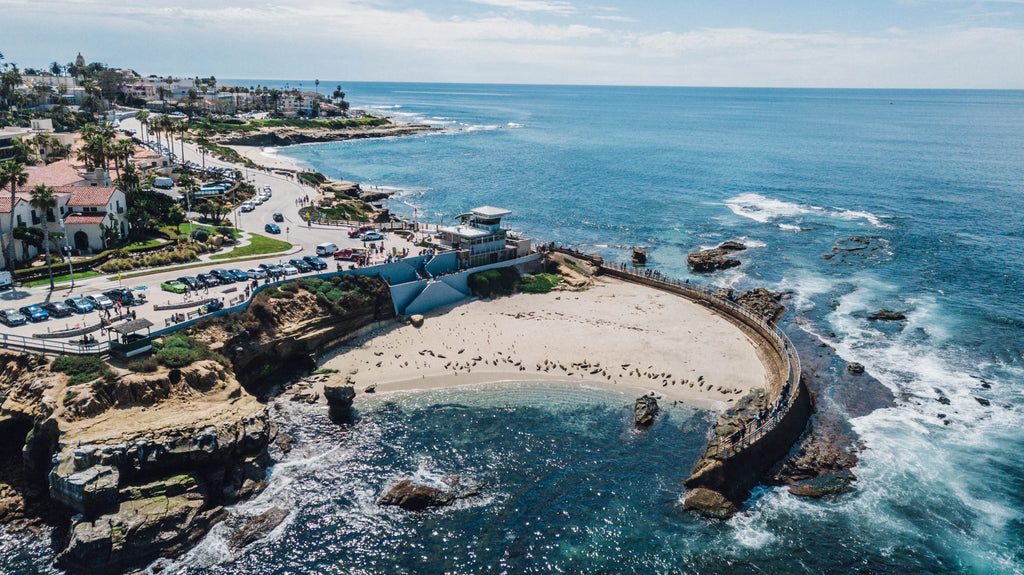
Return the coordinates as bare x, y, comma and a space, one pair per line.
778, 406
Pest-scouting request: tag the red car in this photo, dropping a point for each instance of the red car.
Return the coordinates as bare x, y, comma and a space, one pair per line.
360, 231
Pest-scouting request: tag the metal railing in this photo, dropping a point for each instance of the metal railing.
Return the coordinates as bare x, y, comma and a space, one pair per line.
23, 343
787, 390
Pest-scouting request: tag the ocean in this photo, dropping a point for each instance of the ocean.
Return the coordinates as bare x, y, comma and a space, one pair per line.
851, 201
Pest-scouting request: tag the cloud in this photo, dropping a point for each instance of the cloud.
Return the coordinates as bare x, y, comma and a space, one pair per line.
556, 7
372, 40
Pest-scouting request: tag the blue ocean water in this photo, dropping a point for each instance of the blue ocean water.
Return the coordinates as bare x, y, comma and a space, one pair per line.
931, 183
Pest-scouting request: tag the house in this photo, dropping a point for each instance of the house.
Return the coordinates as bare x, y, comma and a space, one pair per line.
88, 213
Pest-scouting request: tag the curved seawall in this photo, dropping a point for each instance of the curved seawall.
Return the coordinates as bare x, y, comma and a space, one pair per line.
734, 463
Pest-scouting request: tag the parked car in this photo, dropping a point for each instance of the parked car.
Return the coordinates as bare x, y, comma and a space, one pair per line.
100, 301
240, 276
209, 280
372, 237
79, 304
360, 231
34, 313
57, 309
223, 276
272, 228
289, 270
300, 265
123, 295
258, 200
174, 286
256, 273
12, 317
248, 206
315, 262
193, 283
278, 217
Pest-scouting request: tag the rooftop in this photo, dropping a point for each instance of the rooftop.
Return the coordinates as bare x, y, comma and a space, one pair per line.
91, 218
489, 212
57, 174
89, 196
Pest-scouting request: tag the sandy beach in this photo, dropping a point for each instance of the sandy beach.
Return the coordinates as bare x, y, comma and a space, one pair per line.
614, 334
260, 156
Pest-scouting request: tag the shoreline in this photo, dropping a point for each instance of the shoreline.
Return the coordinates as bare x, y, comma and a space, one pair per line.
612, 335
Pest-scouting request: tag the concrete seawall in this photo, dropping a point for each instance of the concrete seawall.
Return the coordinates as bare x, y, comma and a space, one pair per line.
732, 465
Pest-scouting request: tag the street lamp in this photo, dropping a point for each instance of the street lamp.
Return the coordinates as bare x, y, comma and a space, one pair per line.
67, 254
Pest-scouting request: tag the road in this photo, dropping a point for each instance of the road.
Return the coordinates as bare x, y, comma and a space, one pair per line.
293, 230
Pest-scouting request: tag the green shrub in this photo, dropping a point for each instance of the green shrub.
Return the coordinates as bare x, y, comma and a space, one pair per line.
493, 282
81, 368
148, 365
177, 357
200, 235
540, 283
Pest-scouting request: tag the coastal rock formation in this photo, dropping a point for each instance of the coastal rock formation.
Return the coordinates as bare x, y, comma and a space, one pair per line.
258, 527
855, 368
289, 136
762, 302
710, 504
639, 256
714, 259
887, 315
137, 465
644, 411
413, 497
829, 486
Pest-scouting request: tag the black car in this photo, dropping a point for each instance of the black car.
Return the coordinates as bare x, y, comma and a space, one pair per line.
223, 276
315, 262
278, 217
123, 295
191, 282
300, 265
209, 280
57, 309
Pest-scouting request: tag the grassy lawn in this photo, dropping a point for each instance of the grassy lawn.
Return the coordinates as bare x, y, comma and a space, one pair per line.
181, 230
259, 244
145, 243
63, 278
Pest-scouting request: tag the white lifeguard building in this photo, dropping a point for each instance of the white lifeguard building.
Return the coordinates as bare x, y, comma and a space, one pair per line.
480, 240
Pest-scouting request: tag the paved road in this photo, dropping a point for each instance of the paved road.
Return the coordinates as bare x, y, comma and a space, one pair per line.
303, 238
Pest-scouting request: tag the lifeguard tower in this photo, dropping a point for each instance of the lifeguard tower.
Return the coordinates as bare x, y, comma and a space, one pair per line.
479, 238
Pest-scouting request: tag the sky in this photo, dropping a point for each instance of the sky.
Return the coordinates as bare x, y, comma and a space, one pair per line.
746, 43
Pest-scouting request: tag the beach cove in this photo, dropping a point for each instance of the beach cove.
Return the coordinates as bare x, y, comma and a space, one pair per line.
612, 334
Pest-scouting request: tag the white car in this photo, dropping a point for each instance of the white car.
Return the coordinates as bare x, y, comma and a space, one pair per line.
248, 206
100, 301
290, 270
258, 200
256, 273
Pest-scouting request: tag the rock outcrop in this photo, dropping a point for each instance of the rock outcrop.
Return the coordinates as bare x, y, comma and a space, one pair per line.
413, 497
289, 136
887, 315
644, 411
715, 258
258, 527
137, 465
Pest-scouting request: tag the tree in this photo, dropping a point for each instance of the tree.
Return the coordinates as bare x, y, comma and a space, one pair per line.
30, 237
143, 117
45, 201
13, 174
109, 234
203, 140
55, 68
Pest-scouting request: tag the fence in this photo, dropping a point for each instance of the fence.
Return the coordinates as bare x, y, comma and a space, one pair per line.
787, 390
26, 344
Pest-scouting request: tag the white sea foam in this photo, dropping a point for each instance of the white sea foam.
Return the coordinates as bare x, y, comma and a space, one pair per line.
769, 210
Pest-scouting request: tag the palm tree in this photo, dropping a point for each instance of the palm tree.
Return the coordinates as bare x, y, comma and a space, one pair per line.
143, 117
44, 200
13, 174
202, 140
182, 128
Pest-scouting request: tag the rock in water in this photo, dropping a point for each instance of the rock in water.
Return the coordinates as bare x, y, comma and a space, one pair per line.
644, 411
855, 368
887, 315
639, 256
714, 258
829, 486
258, 527
710, 504
340, 396
412, 497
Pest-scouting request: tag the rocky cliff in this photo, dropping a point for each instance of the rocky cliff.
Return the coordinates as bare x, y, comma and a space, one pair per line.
131, 466
288, 136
